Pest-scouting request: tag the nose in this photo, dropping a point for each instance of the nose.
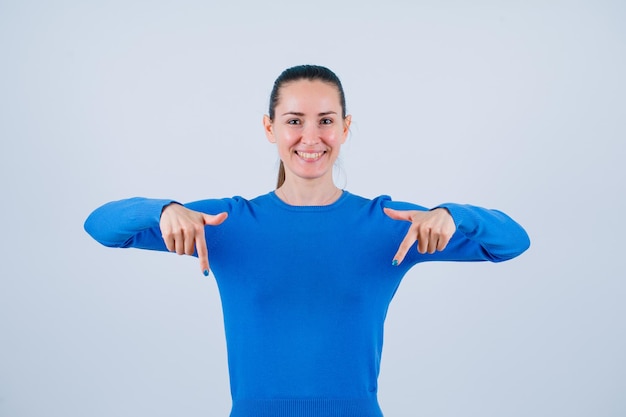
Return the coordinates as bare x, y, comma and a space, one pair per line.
310, 134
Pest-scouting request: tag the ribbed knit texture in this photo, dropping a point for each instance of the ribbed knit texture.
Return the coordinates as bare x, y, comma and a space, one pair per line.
307, 408
305, 290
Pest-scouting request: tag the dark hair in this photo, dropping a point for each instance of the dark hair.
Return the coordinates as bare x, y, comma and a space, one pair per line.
303, 72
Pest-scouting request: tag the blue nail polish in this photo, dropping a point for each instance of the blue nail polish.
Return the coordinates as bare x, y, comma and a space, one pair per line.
394, 262
206, 272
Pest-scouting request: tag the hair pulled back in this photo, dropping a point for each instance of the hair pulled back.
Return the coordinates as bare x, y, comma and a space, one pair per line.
297, 73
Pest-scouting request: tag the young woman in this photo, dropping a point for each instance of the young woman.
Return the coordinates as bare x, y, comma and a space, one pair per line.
306, 272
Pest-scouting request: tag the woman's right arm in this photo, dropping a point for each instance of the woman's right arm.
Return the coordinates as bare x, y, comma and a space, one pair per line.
132, 222
153, 224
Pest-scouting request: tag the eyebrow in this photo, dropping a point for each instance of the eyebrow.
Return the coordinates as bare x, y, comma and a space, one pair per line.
299, 114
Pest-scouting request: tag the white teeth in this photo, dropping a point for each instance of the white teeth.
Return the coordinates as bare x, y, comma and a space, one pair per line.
309, 155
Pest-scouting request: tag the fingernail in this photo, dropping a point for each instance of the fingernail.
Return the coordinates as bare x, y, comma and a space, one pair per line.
394, 262
206, 272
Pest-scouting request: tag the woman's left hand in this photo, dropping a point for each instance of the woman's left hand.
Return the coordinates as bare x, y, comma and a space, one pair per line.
431, 229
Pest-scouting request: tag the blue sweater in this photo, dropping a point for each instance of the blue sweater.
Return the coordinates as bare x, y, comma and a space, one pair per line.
305, 290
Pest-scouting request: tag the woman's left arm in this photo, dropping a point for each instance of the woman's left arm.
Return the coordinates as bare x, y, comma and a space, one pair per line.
458, 232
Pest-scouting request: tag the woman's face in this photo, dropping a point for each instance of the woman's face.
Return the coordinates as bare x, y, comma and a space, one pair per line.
308, 128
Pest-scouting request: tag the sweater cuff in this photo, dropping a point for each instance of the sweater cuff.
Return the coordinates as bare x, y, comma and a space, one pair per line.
464, 218
148, 211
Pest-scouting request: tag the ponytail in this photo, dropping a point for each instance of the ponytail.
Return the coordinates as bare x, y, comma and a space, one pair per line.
281, 175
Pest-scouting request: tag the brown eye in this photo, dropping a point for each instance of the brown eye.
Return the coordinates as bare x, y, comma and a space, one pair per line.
326, 121
293, 122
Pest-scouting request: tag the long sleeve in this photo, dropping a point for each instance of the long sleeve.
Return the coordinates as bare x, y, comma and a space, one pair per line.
133, 222
499, 236
481, 235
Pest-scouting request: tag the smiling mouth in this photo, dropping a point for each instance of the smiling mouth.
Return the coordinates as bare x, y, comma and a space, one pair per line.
310, 156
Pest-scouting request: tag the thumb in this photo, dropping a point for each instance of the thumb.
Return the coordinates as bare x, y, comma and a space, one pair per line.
398, 214
214, 220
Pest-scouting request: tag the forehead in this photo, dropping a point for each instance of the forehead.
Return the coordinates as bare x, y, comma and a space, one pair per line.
308, 93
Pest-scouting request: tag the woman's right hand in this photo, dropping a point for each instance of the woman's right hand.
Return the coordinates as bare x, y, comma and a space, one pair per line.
183, 231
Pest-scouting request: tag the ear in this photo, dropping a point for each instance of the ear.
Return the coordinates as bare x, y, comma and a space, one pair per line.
268, 127
346, 128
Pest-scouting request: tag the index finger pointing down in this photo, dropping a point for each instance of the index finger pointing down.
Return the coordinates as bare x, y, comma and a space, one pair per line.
203, 253
405, 246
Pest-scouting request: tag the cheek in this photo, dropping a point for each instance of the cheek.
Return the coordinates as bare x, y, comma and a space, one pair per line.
289, 137
334, 136
285, 139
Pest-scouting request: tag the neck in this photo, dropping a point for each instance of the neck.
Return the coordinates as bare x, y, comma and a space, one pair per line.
308, 193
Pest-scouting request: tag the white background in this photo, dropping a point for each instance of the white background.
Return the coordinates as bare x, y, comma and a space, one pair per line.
513, 105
